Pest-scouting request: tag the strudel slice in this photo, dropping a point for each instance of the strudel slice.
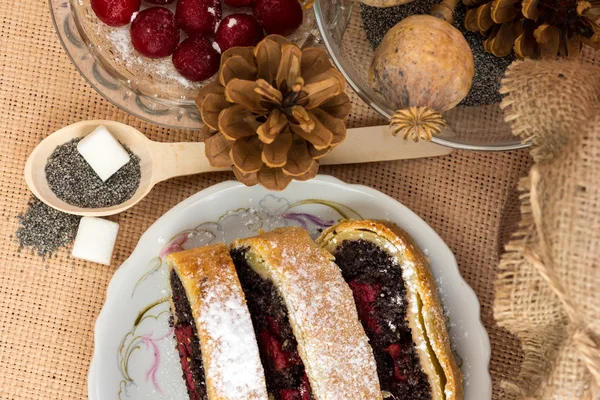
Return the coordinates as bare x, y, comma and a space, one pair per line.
215, 339
398, 305
311, 341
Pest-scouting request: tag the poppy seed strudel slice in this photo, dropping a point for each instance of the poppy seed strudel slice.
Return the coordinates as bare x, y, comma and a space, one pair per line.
215, 338
398, 305
311, 341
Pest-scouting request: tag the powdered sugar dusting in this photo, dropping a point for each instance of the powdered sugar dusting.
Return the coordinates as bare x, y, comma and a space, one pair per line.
163, 68
232, 22
216, 47
234, 364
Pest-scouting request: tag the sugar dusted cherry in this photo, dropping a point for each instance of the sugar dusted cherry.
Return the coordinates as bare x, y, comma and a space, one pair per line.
238, 3
160, 2
199, 16
115, 12
281, 17
238, 30
196, 58
155, 33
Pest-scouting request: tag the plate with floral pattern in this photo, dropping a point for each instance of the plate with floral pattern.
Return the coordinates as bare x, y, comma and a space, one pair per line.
135, 354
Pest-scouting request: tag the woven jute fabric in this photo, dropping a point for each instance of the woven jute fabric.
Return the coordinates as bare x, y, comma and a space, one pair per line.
48, 307
547, 287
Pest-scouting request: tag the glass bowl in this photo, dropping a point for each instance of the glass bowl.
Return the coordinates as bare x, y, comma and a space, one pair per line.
148, 89
471, 128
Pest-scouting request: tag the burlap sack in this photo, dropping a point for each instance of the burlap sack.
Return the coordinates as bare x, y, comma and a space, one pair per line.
548, 285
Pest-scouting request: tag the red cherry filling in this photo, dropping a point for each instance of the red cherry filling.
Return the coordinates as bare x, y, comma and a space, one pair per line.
238, 3
159, 2
400, 358
238, 30
274, 348
154, 32
199, 16
115, 12
184, 335
196, 59
188, 344
364, 297
281, 17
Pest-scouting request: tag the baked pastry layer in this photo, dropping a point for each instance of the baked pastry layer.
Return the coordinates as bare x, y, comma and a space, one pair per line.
331, 341
229, 351
399, 307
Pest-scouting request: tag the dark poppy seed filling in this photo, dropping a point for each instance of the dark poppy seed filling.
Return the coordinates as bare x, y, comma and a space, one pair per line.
284, 371
188, 344
380, 296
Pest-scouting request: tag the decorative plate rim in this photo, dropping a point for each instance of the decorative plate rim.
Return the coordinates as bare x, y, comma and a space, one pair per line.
127, 265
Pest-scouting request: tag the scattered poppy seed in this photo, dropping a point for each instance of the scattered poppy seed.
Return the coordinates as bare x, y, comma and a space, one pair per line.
45, 229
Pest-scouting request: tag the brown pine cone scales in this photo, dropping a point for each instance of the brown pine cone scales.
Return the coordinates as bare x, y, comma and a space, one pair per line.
275, 111
535, 28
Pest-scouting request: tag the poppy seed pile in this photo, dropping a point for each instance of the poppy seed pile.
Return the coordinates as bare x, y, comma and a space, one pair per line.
489, 69
74, 181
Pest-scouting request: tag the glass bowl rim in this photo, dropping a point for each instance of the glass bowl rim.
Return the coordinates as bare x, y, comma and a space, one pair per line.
62, 35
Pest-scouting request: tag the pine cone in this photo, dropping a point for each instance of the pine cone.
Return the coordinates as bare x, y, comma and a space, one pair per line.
535, 28
275, 110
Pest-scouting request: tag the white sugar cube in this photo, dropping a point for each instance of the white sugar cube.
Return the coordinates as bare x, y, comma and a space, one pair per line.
95, 240
103, 152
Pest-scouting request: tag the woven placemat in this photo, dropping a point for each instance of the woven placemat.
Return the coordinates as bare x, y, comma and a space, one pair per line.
48, 307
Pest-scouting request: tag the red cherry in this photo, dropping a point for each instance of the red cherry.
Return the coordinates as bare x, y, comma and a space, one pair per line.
159, 2
281, 17
199, 16
238, 30
115, 12
196, 59
239, 3
154, 32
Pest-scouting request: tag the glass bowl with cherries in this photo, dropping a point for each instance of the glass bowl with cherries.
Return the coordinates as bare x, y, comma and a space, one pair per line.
150, 57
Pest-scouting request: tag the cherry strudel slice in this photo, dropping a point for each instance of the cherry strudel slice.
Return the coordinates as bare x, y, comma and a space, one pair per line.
215, 338
311, 341
398, 305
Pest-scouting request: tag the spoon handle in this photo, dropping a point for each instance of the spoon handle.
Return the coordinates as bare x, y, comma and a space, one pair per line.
178, 159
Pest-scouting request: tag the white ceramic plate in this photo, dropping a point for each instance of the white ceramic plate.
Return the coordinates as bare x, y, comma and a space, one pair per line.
134, 349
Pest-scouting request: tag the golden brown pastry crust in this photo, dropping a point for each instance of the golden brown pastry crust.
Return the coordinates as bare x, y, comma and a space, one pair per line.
232, 365
332, 343
420, 285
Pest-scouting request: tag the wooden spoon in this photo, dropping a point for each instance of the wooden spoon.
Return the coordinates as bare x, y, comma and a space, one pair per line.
162, 161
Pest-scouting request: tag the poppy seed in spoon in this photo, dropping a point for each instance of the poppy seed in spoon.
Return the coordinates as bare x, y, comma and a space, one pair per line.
75, 182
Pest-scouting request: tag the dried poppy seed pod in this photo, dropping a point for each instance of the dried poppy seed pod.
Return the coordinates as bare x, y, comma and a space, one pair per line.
423, 67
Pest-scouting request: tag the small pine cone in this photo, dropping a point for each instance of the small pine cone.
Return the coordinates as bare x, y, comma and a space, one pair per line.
274, 112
